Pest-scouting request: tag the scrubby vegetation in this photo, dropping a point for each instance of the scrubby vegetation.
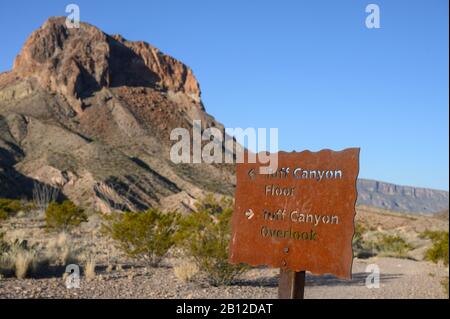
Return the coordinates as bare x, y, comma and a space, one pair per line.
390, 246
43, 195
17, 258
10, 207
439, 249
380, 244
204, 236
63, 217
359, 248
144, 235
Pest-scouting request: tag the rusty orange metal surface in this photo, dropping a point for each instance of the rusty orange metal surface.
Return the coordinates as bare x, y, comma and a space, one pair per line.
301, 217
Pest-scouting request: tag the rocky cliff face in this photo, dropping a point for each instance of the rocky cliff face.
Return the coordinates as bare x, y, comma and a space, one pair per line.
401, 198
92, 113
78, 62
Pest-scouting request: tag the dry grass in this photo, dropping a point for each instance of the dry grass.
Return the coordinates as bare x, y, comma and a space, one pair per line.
16, 235
19, 261
21, 258
186, 271
89, 269
24, 261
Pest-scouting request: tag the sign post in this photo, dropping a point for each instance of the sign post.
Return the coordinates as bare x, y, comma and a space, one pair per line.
298, 218
291, 284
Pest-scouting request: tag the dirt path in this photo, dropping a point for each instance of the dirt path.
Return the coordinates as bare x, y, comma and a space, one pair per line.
400, 278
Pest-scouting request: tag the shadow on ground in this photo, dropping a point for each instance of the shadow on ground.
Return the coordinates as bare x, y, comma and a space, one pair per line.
359, 279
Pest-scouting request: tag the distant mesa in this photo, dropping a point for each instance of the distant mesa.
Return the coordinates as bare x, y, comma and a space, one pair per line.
401, 198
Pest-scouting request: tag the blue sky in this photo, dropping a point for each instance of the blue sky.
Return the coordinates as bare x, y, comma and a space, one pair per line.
310, 68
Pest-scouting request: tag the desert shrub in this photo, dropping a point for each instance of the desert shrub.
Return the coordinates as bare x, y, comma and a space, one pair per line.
62, 217
439, 250
205, 235
9, 207
43, 195
360, 248
143, 235
390, 246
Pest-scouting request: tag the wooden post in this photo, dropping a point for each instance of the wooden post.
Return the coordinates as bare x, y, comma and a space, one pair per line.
291, 284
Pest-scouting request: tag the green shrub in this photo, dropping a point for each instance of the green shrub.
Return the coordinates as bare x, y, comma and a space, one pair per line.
62, 217
9, 207
391, 246
439, 249
205, 236
357, 241
144, 235
359, 245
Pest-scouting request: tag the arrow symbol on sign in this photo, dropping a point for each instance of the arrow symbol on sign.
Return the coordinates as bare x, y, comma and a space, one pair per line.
249, 214
252, 173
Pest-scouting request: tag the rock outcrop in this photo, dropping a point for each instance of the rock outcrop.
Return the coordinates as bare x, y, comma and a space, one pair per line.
92, 113
77, 62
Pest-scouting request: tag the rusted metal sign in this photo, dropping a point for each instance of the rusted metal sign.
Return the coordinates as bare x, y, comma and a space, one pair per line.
299, 218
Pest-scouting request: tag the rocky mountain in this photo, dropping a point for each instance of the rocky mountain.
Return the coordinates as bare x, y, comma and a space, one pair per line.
91, 114
401, 198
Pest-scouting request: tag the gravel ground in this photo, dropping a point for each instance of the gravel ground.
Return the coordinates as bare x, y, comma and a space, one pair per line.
400, 278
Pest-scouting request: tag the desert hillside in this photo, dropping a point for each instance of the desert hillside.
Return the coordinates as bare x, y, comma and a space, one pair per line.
86, 180
392, 241
90, 114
